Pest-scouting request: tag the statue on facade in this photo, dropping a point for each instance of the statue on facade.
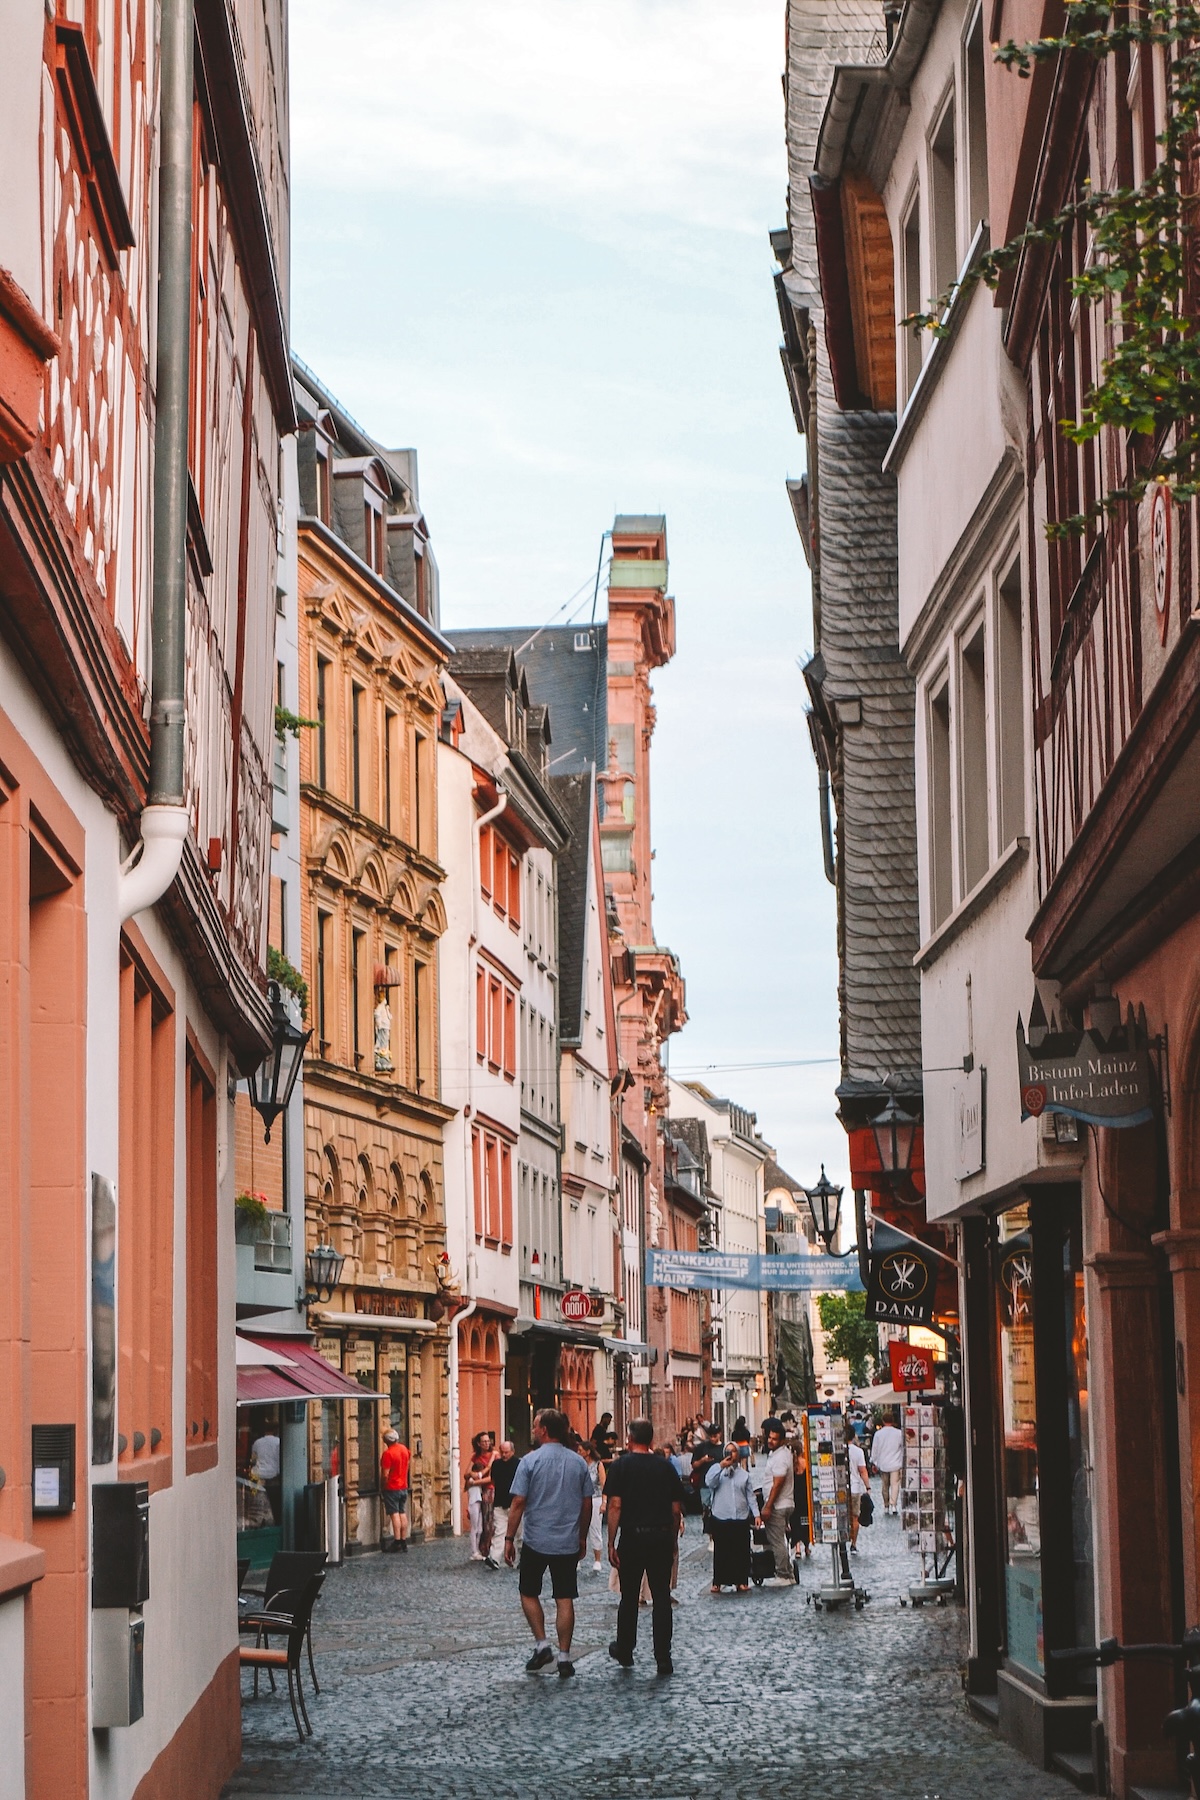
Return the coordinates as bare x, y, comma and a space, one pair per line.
383, 1037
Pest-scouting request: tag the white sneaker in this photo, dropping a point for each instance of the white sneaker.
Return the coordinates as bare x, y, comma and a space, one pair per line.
477, 1556
597, 1568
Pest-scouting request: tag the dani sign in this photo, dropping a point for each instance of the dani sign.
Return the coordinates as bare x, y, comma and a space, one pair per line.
903, 1279
912, 1369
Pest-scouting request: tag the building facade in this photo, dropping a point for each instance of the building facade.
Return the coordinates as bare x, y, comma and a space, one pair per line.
134, 984
371, 920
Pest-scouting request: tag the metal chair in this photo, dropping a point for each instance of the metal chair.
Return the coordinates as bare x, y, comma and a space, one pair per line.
292, 1625
289, 1571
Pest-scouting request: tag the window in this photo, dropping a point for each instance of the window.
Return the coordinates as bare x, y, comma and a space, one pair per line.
323, 487
514, 890
422, 1051
941, 886
973, 760
201, 1203
146, 1203
356, 695
322, 722
491, 1158
481, 1014
510, 1034
506, 1197
356, 938
1010, 707
198, 357
943, 203
910, 287
373, 538
390, 723
322, 990
977, 164
420, 747
495, 1022
477, 1176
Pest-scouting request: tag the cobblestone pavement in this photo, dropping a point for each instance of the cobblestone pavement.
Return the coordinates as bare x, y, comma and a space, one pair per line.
424, 1695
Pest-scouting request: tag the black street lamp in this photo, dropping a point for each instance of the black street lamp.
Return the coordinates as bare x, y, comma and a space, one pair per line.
825, 1204
322, 1272
272, 1082
895, 1134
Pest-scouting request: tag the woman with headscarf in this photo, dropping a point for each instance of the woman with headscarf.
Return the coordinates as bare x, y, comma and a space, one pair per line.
481, 1497
734, 1512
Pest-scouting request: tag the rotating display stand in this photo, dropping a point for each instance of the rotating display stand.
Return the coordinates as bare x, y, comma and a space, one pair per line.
828, 1478
923, 1502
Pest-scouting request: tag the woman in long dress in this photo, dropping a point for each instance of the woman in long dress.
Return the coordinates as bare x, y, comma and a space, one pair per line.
734, 1513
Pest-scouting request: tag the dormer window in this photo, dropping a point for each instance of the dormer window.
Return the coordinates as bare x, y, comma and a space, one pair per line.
373, 536
323, 487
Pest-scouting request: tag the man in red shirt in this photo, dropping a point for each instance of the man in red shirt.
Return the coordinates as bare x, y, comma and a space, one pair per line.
393, 1486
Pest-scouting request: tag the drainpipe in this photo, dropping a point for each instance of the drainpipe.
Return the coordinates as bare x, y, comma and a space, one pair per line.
468, 1113
826, 826
154, 864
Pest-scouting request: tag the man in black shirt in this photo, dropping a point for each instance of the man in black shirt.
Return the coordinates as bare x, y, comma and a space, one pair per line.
503, 1468
645, 1518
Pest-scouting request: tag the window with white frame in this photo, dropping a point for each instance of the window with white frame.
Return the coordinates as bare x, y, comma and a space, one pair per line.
912, 337
973, 708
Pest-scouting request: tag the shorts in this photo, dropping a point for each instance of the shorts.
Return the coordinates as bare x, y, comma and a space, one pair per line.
855, 1503
395, 1500
564, 1574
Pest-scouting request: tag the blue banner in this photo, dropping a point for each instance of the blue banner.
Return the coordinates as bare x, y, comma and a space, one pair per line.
718, 1269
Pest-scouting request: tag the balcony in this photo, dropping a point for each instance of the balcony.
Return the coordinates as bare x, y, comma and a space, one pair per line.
265, 1282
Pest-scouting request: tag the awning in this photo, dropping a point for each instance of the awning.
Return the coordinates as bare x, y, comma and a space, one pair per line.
249, 1355
627, 1347
302, 1375
373, 1321
549, 1328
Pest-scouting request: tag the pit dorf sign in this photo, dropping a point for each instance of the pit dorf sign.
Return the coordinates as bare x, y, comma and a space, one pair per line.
576, 1306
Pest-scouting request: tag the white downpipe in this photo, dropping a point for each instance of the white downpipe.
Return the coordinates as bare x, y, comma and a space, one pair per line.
154, 862
456, 1492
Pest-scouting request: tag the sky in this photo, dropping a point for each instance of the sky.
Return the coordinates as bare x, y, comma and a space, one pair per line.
530, 239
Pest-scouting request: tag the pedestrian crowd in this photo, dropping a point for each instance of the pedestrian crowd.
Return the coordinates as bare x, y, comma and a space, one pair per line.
559, 1506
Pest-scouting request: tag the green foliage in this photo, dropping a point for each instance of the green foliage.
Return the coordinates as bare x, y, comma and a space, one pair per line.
1140, 241
289, 721
850, 1337
288, 976
251, 1207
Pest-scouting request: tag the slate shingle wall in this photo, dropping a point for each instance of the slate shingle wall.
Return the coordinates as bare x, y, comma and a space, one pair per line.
873, 777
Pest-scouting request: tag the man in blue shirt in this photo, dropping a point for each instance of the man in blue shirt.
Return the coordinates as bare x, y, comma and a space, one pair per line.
552, 1503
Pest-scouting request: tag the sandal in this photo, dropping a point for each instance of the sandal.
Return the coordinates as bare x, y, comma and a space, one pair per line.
743, 1590
714, 1590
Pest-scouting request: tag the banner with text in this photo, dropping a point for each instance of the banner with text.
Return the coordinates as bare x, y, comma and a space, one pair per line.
777, 1274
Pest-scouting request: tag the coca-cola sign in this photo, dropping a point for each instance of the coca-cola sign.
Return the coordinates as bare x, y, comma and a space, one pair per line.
912, 1368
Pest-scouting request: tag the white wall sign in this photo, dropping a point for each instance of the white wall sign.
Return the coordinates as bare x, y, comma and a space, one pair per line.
969, 1124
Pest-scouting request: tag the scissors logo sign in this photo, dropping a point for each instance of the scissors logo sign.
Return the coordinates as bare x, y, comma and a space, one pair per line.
903, 1276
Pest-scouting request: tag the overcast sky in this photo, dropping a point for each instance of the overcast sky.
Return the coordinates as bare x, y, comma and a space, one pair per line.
531, 240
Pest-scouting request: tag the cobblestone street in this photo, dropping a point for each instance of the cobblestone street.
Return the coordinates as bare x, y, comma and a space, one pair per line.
421, 1660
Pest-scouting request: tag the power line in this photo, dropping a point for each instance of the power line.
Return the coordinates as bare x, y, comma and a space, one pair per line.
798, 1062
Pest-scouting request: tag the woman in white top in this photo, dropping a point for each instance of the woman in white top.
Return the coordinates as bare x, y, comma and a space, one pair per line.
734, 1511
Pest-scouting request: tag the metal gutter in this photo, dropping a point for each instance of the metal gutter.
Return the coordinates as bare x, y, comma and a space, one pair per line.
851, 81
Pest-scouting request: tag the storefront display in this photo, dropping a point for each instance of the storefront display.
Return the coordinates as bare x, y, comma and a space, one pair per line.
924, 1516
829, 1475
1018, 1414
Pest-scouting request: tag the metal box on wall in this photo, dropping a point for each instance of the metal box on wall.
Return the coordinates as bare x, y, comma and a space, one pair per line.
118, 1667
120, 1544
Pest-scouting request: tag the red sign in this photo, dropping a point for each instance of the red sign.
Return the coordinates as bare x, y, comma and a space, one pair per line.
1033, 1100
912, 1369
575, 1306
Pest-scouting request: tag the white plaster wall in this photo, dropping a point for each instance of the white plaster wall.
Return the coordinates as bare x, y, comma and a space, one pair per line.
12, 1698
22, 27
456, 998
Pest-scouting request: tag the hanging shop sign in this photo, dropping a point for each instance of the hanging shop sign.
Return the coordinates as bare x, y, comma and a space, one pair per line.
912, 1368
903, 1279
576, 1306
1100, 1077
778, 1274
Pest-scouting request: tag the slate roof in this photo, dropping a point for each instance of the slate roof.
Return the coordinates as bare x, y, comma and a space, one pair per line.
572, 681
775, 1177
574, 796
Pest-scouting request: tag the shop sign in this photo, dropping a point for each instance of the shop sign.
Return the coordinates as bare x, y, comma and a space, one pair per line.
576, 1306
903, 1280
1016, 1281
386, 1306
1101, 1078
912, 1368
969, 1116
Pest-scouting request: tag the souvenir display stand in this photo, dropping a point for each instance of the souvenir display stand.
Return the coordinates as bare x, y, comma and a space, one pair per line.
828, 1480
923, 1501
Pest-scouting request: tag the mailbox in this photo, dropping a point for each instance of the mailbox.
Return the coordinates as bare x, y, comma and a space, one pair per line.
120, 1544
118, 1667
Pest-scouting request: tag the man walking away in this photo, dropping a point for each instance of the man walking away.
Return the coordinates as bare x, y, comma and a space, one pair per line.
887, 1458
645, 1507
393, 1487
860, 1481
552, 1502
502, 1472
706, 1454
780, 1500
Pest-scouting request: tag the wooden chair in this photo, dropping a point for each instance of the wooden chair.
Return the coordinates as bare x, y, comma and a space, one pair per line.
289, 1571
292, 1625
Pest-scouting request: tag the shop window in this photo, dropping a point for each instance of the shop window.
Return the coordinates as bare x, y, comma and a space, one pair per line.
201, 1241
368, 1436
973, 761
398, 1400
146, 1203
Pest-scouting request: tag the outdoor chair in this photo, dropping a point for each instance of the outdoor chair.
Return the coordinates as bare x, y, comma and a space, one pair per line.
293, 1626
289, 1571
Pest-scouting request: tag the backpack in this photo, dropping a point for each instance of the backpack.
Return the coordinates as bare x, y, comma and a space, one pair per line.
866, 1510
